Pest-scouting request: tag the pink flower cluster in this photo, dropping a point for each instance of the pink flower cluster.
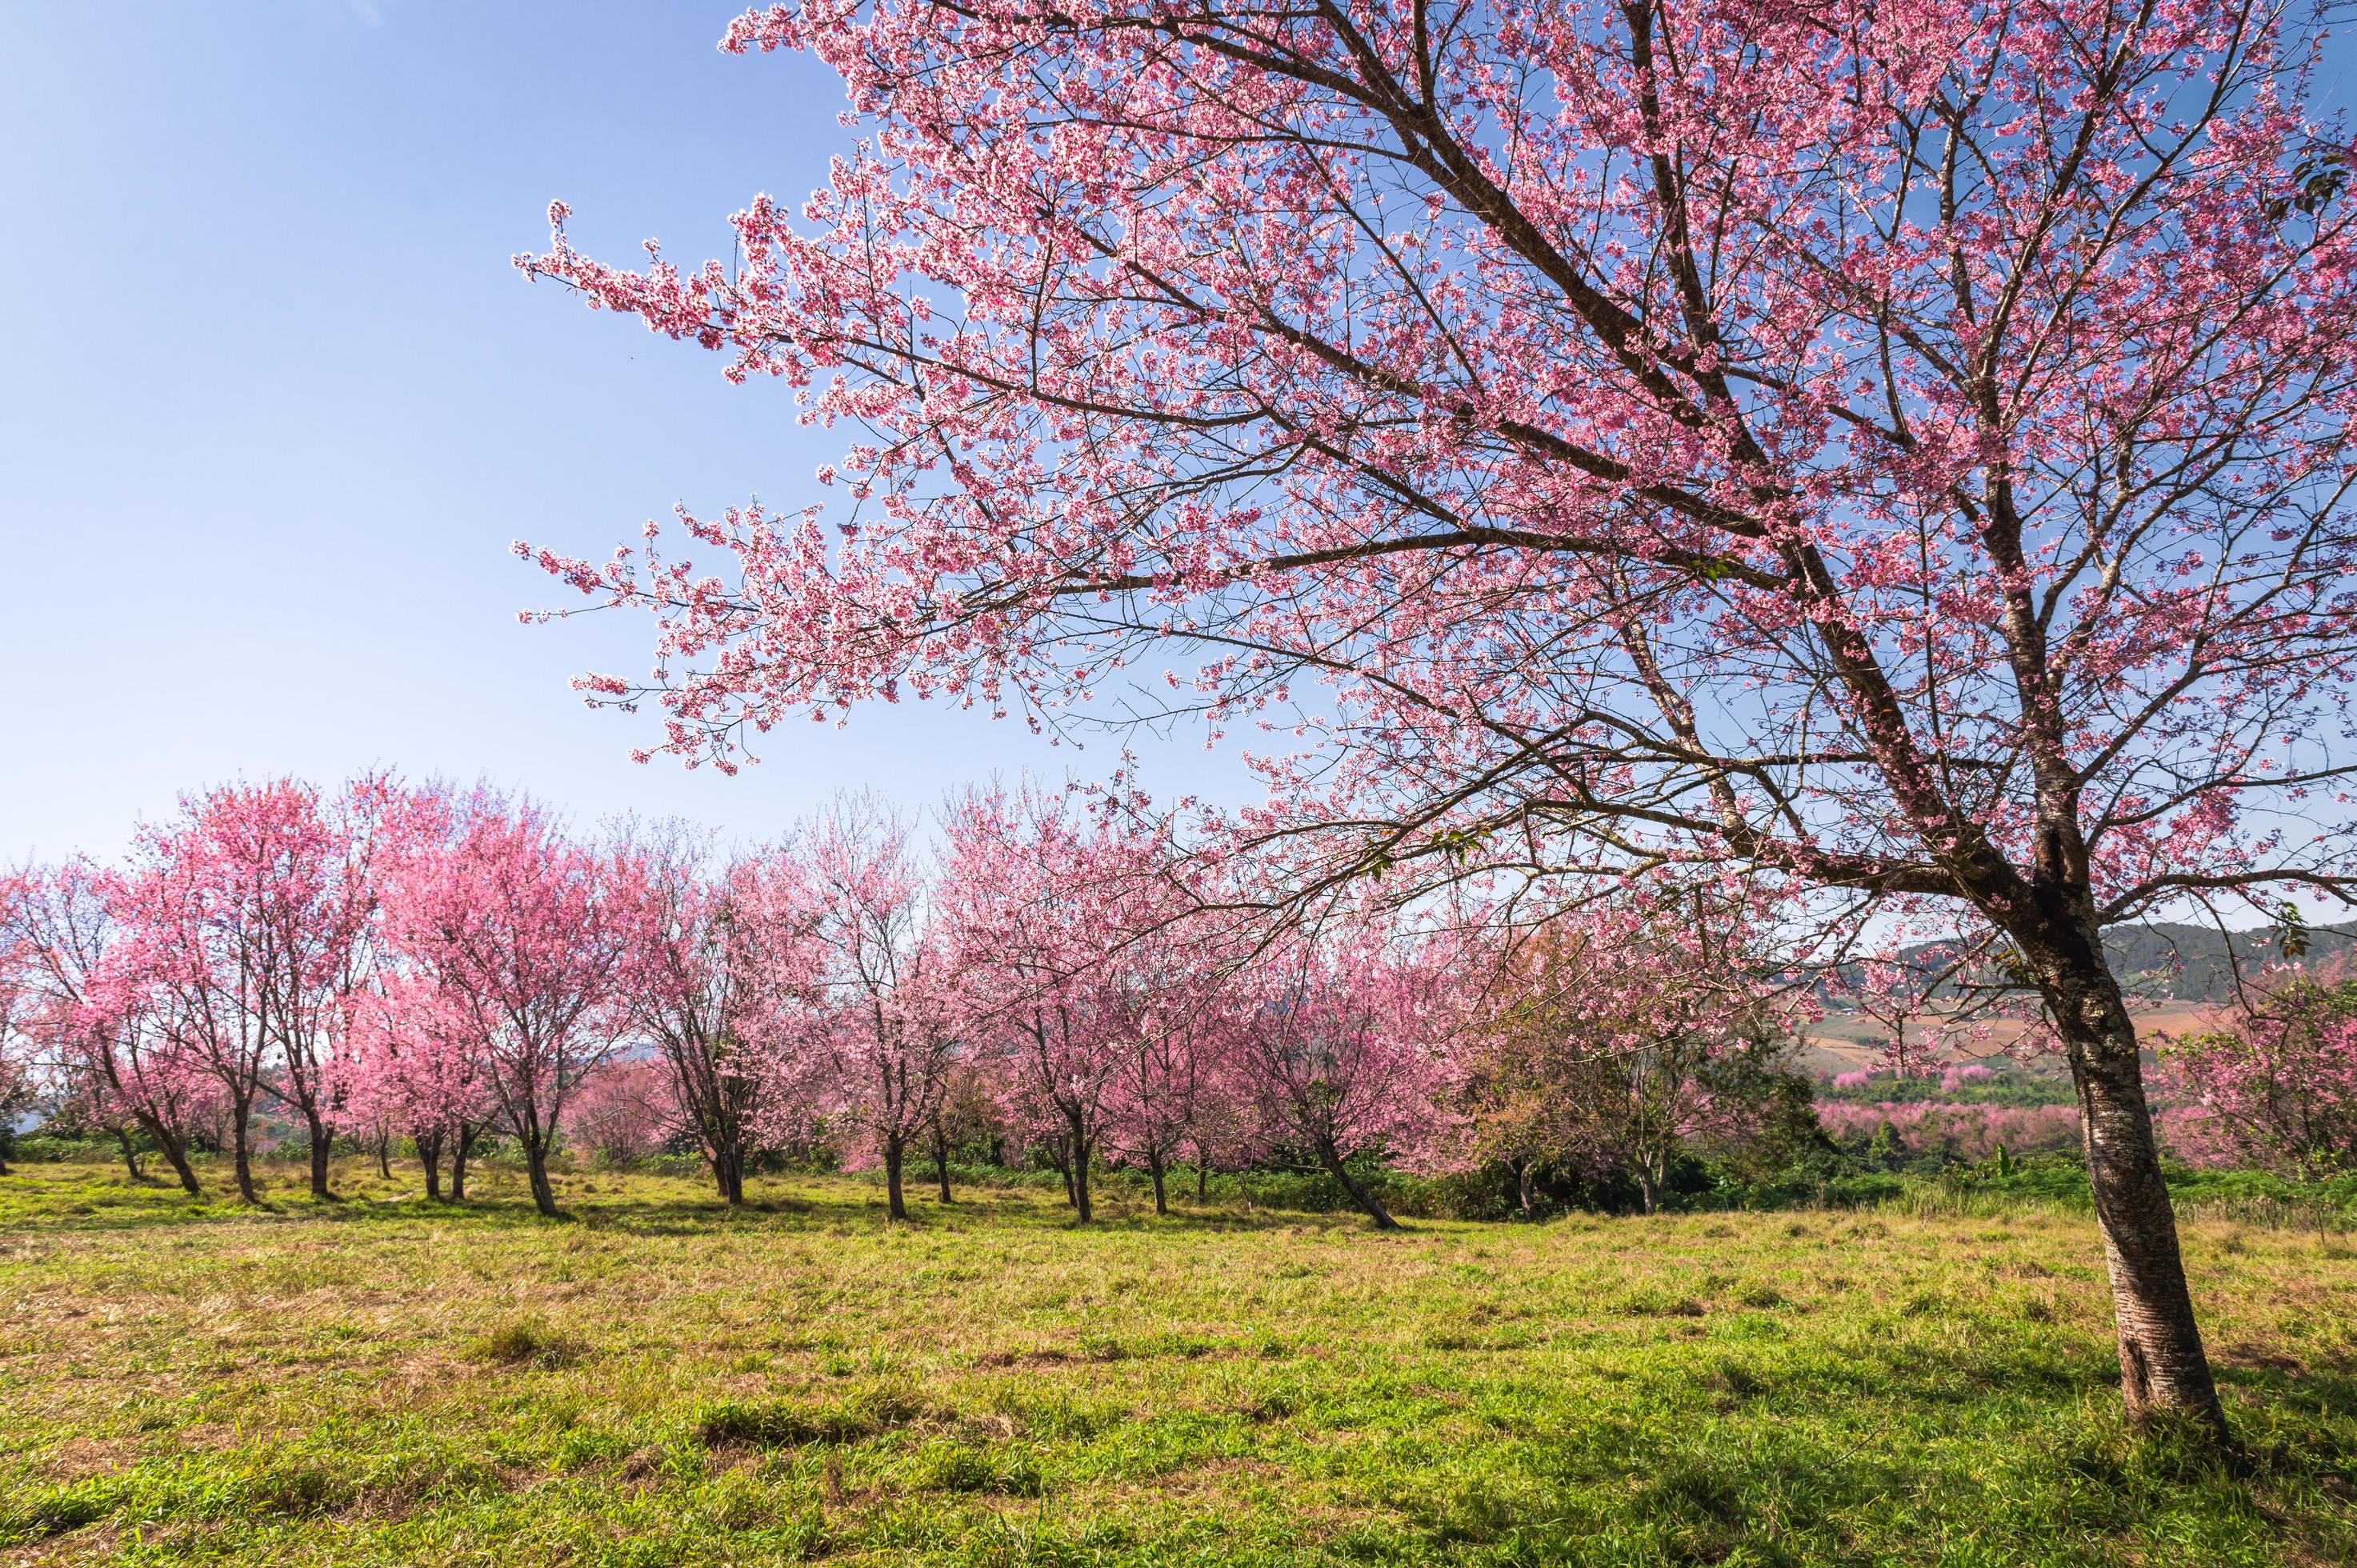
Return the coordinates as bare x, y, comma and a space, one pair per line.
1955, 1132
2274, 1082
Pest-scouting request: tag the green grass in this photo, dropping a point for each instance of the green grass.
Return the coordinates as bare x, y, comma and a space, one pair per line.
654, 1382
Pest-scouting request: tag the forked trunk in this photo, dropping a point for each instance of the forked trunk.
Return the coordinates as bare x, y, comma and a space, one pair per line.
429, 1154
895, 1204
1651, 1169
384, 1153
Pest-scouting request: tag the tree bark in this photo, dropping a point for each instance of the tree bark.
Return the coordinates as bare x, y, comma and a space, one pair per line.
894, 1204
729, 1174
384, 1153
1202, 1177
2163, 1366
130, 1150
174, 1150
241, 1152
1153, 1165
1523, 1169
1062, 1155
429, 1154
322, 1148
1080, 1152
461, 1145
1361, 1194
535, 1162
942, 1158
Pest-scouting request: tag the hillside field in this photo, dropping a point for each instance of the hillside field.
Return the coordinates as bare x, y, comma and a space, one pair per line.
651, 1380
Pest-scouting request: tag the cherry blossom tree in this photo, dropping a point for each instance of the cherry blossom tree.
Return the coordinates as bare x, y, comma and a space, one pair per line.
1898, 447
1339, 1045
1166, 962
17, 1046
187, 963
624, 1110
727, 966
84, 1007
1635, 1033
1516, 1081
2275, 1084
247, 920
523, 935
1043, 908
1896, 996
884, 1034
1178, 1017
417, 1066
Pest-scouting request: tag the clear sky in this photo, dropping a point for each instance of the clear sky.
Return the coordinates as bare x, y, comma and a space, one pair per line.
273, 403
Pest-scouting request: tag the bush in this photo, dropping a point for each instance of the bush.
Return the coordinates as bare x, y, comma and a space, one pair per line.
38, 1148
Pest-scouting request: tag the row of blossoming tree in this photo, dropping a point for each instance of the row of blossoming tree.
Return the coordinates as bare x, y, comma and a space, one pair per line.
433, 959
434, 965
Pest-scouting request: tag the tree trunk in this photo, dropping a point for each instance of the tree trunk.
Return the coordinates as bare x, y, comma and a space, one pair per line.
322, 1147
894, 1204
2163, 1367
1647, 1190
175, 1152
1522, 1195
429, 1154
384, 1153
1361, 1194
1154, 1164
1202, 1177
1062, 1155
941, 1159
242, 1154
1080, 1151
130, 1151
461, 1146
728, 1173
535, 1165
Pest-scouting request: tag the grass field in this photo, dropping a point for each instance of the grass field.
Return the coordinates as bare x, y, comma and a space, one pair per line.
654, 1381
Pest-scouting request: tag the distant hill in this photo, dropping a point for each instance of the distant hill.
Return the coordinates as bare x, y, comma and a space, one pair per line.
2195, 963
2165, 961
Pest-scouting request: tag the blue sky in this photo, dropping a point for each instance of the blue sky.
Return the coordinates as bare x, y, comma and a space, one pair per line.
275, 402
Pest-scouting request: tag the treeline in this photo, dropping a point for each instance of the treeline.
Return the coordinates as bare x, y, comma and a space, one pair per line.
1054, 987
